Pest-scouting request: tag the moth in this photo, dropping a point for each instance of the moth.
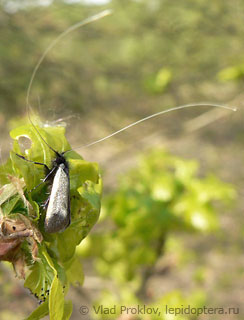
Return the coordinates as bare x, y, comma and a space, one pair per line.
58, 204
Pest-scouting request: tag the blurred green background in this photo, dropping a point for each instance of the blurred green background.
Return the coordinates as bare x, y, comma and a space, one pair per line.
170, 230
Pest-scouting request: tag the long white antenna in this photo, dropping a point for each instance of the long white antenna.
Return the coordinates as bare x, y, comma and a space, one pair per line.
52, 44
201, 104
55, 41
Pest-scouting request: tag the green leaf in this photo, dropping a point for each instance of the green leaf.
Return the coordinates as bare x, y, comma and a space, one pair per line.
68, 308
75, 273
8, 190
157, 83
39, 278
40, 312
81, 171
231, 73
92, 192
56, 296
8, 206
162, 80
56, 300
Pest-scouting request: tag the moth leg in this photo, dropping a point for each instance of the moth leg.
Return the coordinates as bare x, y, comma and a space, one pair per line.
49, 174
45, 204
43, 180
40, 163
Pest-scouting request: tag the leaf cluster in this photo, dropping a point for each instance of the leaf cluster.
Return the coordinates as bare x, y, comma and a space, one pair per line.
56, 265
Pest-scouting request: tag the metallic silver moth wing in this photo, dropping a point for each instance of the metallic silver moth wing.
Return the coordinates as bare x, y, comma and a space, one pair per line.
58, 210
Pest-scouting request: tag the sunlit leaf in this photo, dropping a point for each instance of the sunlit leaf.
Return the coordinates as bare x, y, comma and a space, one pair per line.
56, 300
40, 312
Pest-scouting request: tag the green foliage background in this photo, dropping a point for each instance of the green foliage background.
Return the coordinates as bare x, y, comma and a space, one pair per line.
144, 47
163, 196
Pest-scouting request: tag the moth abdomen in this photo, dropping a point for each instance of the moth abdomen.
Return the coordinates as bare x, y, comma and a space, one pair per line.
57, 222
